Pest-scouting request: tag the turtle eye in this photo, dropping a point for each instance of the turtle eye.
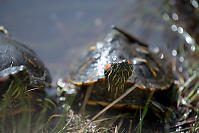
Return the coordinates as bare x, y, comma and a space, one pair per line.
107, 66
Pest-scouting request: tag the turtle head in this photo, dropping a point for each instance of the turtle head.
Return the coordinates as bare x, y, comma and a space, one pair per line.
117, 74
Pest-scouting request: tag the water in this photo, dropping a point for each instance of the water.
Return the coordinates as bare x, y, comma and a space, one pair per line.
56, 30
59, 30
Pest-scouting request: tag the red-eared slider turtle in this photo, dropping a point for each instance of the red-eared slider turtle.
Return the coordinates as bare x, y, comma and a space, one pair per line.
17, 58
116, 64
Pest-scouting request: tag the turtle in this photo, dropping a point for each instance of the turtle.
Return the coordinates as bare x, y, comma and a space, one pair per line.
19, 61
117, 63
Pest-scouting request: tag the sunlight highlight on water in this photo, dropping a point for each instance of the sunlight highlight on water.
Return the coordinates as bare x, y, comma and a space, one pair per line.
194, 3
174, 52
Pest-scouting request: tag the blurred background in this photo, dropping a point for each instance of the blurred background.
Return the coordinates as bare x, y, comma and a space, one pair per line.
61, 31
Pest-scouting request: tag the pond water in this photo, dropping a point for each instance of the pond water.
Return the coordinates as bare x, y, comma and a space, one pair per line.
56, 30
59, 30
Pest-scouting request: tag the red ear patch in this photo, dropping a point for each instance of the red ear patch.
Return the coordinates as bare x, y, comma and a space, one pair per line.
3, 79
129, 62
107, 66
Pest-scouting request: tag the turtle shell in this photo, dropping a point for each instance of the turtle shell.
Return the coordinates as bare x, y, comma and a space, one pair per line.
150, 73
16, 57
